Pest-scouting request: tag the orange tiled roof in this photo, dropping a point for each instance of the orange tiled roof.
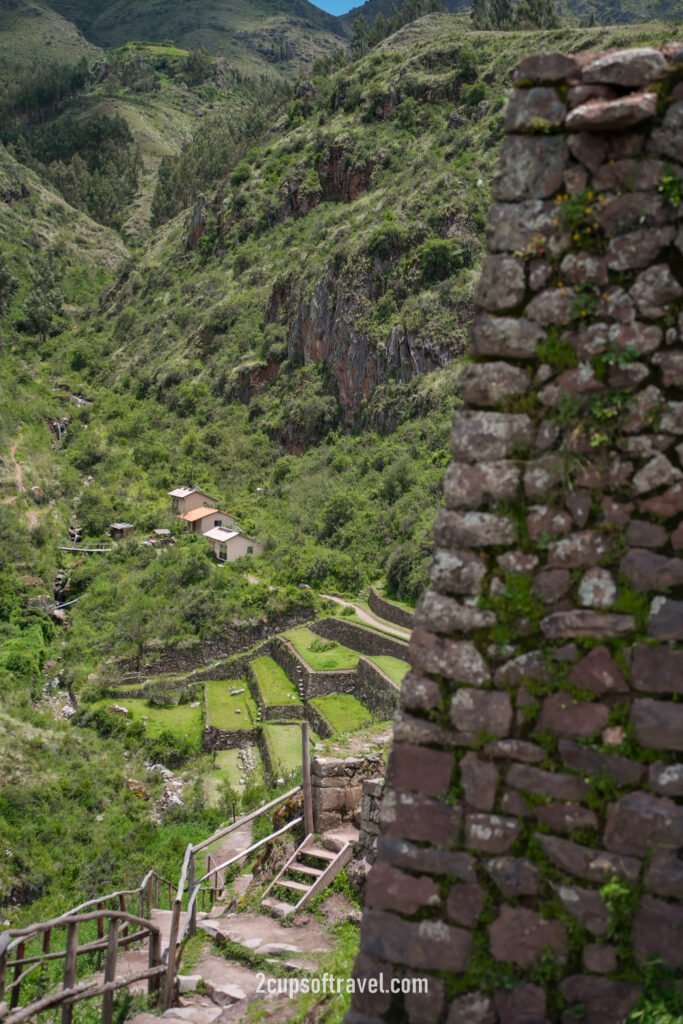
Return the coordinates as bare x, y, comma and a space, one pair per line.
197, 513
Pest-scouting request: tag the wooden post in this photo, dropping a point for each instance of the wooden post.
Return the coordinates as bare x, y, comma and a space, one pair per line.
192, 930
150, 896
100, 922
306, 778
70, 968
14, 999
4, 943
234, 815
122, 906
110, 971
172, 943
154, 983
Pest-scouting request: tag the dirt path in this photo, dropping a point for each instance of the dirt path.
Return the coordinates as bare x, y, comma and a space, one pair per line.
18, 474
370, 619
231, 844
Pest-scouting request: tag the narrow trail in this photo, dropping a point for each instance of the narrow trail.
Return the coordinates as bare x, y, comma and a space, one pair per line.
371, 619
18, 474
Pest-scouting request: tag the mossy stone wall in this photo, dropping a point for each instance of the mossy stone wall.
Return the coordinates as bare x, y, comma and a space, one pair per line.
529, 857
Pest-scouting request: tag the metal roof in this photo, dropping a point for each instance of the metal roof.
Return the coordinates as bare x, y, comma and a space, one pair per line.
222, 535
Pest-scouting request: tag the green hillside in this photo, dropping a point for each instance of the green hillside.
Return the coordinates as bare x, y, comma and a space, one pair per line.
33, 32
270, 36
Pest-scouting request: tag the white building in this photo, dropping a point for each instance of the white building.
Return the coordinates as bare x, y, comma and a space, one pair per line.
228, 545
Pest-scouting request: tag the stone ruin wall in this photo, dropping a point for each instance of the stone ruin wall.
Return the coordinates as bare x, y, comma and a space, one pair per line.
537, 755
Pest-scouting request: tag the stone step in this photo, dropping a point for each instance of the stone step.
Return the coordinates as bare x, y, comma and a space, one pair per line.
337, 838
276, 907
193, 1014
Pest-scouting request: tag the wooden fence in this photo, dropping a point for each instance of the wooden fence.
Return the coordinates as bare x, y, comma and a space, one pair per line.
29, 951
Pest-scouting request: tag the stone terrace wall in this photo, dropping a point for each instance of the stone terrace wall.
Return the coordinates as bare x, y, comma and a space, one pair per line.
214, 738
538, 754
310, 683
359, 638
337, 788
390, 611
375, 689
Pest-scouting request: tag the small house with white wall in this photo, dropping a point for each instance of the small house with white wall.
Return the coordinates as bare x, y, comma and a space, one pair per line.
228, 545
185, 499
201, 520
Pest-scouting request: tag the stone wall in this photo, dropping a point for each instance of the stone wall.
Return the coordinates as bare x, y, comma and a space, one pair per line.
318, 721
158, 659
310, 683
336, 787
375, 689
224, 739
390, 611
366, 848
532, 825
359, 638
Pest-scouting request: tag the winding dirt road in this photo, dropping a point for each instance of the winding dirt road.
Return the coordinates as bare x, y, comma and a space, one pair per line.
370, 619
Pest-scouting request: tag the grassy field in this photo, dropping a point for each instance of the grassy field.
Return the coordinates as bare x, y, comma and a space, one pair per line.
275, 686
394, 667
228, 769
226, 712
284, 744
181, 720
336, 657
343, 712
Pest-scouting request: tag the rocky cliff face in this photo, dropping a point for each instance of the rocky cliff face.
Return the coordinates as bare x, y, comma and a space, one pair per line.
323, 327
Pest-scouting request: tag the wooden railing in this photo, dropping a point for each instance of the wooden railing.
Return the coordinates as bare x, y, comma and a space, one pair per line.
194, 887
25, 951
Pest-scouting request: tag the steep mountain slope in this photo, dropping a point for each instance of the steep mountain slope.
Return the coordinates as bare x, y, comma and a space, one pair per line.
270, 36
31, 31
371, 8
164, 95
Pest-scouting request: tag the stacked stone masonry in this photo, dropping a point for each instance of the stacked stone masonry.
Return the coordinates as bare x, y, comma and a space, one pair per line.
529, 860
338, 788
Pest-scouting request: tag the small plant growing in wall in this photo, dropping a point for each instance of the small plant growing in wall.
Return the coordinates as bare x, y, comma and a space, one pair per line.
672, 187
579, 214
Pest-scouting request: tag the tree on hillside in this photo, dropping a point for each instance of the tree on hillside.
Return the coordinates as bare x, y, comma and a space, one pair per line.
360, 36
500, 15
536, 14
378, 30
8, 285
45, 298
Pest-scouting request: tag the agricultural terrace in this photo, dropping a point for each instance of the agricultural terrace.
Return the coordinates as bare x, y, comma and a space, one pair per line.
227, 712
343, 712
283, 740
321, 655
181, 720
273, 682
393, 667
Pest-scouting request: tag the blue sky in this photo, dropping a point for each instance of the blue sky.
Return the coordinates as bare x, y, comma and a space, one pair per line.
337, 6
